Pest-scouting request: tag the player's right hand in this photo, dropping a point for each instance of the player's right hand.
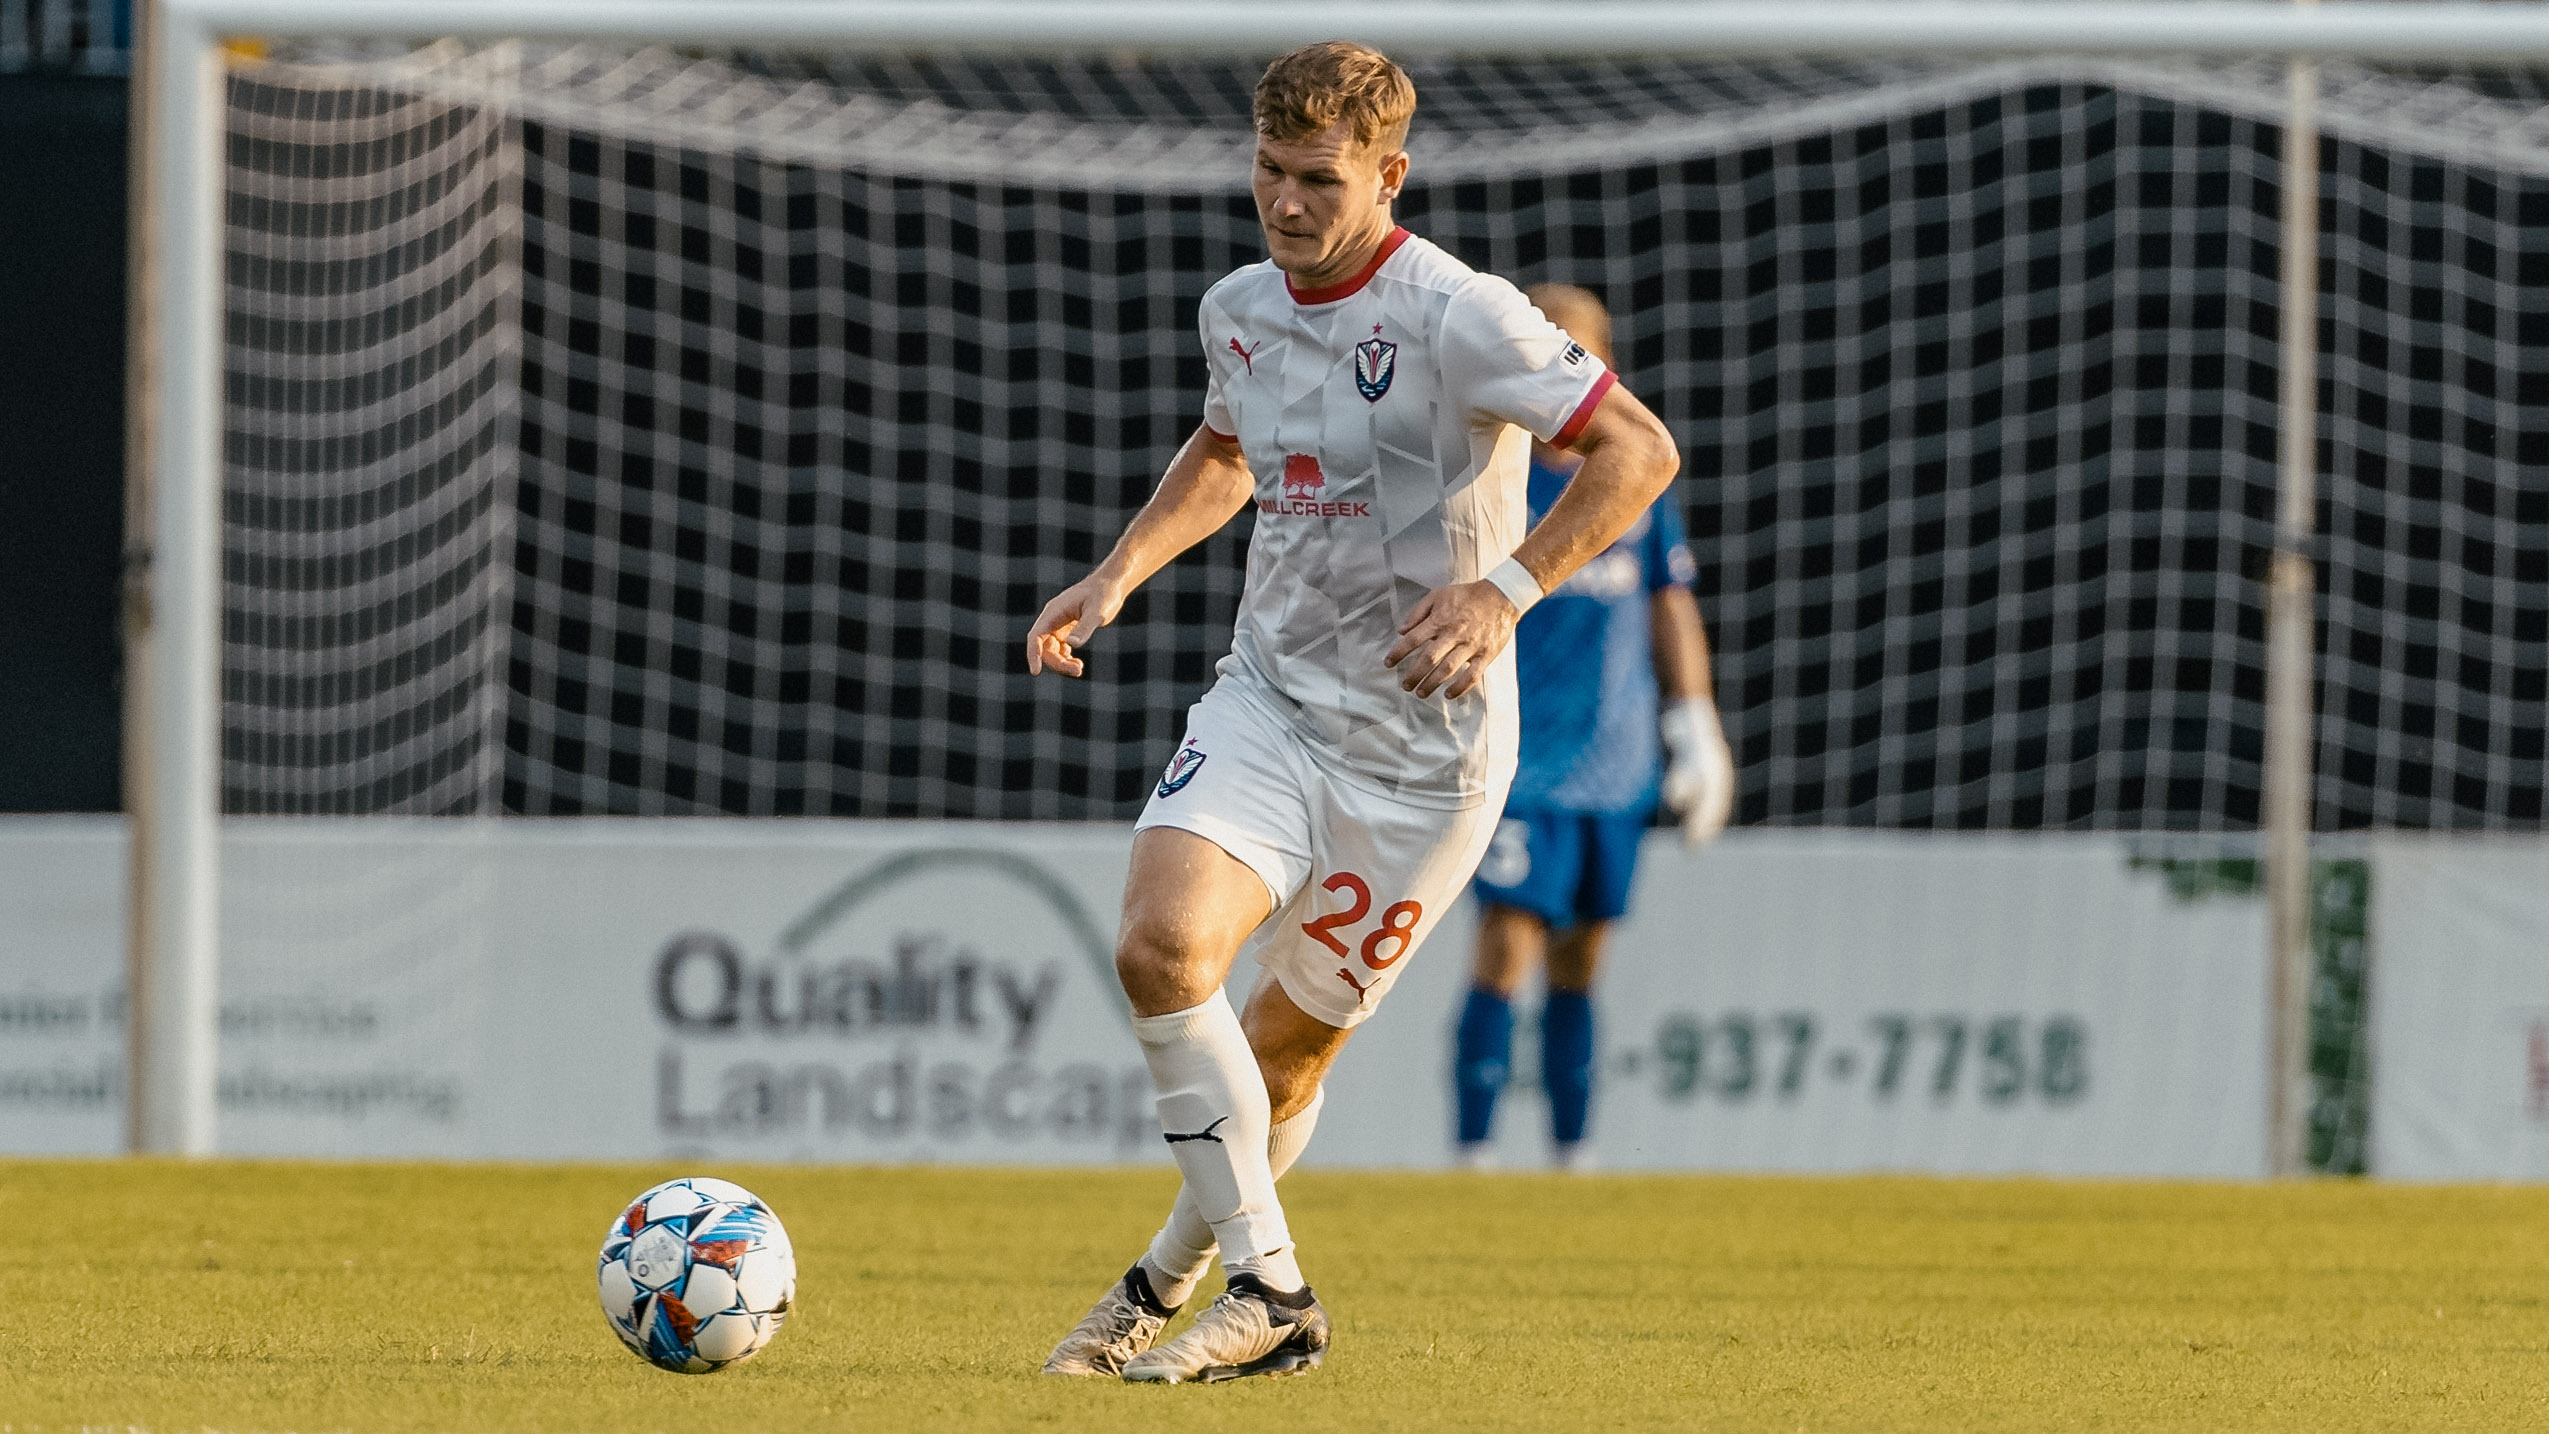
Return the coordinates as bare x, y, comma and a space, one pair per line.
1450, 639
1072, 618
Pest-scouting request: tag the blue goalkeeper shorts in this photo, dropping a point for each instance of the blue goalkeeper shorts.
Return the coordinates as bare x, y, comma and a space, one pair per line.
1564, 867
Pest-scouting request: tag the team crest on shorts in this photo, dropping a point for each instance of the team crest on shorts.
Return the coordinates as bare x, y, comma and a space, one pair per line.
1375, 364
1181, 770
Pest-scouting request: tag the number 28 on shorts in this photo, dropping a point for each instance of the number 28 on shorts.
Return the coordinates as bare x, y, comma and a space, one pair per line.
1381, 946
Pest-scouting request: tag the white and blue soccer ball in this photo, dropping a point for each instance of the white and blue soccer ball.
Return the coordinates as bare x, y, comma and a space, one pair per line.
697, 1274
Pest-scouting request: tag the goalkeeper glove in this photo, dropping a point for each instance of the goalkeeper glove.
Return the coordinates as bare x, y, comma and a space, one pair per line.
1699, 769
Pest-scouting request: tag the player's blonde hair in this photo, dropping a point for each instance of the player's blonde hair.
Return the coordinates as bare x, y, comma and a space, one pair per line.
1315, 86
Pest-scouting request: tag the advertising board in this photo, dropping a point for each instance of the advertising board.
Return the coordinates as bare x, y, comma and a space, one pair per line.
864, 992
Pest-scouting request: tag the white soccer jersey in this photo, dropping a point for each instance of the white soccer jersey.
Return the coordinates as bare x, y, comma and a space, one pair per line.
1385, 421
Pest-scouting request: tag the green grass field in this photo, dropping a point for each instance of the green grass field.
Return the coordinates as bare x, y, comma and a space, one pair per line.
242, 1297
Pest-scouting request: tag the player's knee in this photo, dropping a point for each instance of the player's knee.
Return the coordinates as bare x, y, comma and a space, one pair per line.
1575, 960
1510, 944
1151, 962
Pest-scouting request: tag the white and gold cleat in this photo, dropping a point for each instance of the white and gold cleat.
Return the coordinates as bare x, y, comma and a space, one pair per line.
1247, 1330
1124, 1322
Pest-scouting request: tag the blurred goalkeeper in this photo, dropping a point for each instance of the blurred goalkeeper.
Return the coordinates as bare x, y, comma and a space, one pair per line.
1593, 660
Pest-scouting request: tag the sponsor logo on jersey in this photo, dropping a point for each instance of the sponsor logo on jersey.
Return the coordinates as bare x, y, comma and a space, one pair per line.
1574, 355
1181, 769
1375, 364
1302, 481
1248, 355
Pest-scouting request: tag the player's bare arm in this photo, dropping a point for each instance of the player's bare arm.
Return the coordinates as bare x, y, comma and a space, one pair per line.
1206, 484
1455, 632
1681, 647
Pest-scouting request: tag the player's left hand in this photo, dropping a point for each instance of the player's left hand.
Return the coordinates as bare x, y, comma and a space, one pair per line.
1699, 772
1071, 619
1448, 642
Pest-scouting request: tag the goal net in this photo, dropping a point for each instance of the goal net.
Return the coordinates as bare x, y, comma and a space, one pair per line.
649, 433
641, 432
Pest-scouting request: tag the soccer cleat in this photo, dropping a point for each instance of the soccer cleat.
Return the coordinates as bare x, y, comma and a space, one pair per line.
1125, 1322
1248, 1329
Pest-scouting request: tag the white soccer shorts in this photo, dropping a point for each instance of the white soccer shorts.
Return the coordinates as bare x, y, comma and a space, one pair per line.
1359, 877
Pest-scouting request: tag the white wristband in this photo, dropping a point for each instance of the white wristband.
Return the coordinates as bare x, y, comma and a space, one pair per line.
1517, 584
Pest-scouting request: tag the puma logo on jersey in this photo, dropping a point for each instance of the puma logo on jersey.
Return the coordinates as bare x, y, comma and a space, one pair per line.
1302, 480
1248, 355
1175, 1138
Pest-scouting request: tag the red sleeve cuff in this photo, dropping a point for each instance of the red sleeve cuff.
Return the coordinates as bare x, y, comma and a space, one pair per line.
1218, 436
1574, 429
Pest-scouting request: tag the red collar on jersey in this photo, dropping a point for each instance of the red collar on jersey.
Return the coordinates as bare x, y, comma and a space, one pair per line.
1348, 287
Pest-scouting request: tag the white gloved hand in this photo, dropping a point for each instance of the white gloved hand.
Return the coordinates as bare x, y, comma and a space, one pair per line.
1699, 769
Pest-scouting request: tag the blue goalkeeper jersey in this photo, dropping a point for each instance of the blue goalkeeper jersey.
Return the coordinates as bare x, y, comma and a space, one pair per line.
1585, 659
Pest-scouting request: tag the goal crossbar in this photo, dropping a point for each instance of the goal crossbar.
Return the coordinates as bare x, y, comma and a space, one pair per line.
2400, 32
175, 645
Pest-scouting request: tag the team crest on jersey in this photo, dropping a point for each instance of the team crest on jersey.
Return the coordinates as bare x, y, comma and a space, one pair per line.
1375, 364
1181, 770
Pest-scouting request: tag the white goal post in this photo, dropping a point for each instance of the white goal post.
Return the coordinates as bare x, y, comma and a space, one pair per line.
175, 636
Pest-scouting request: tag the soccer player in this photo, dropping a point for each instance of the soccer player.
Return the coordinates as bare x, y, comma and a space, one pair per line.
1375, 399
1591, 659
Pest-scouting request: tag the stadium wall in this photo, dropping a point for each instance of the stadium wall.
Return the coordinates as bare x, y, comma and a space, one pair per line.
62, 144
883, 991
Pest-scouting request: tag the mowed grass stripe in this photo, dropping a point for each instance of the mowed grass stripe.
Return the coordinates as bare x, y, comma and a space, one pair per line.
305, 1297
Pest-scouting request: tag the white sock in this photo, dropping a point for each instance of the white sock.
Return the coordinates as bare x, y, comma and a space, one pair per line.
1213, 1111
1184, 1247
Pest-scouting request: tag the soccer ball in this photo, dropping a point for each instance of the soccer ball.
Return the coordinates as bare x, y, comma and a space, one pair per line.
697, 1274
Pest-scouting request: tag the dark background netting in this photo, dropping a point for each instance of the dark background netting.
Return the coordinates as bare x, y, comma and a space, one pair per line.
368, 452
1977, 405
